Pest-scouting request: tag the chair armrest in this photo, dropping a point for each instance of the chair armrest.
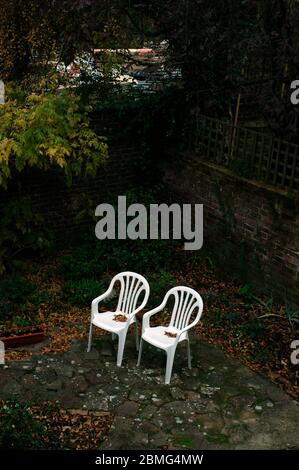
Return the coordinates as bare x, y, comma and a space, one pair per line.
148, 315
141, 307
95, 302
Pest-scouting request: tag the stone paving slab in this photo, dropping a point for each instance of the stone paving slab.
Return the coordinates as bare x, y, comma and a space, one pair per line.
218, 404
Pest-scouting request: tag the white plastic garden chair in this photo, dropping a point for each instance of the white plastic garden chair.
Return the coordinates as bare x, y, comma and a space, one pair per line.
187, 302
132, 286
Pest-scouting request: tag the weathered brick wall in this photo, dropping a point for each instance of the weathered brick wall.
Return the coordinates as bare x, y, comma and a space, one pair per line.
62, 208
251, 228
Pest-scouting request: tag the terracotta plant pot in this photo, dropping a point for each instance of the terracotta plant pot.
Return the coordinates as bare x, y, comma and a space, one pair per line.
15, 341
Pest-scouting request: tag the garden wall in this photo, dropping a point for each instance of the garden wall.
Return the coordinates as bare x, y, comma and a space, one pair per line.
63, 209
252, 229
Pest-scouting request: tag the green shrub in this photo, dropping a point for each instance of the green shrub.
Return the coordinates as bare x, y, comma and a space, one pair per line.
210, 298
136, 255
246, 293
44, 131
19, 300
19, 429
6, 310
40, 298
22, 321
82, 292
292, 314
232, 317
217, 318
94, 259
254, 328
160, 283
14, 294
139, 255
16, 289
83, 263
248, 296
21, 230
48, 130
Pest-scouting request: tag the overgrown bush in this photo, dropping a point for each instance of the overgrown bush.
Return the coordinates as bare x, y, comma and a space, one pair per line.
19, 429
14, 293
82, 292
47, 130
139, 255
254, 328
16, 289
20, 300
6, 310
83, 263
43, 130
96, 257
21, 229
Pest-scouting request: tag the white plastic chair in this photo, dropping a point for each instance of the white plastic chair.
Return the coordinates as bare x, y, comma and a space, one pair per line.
186, 301
132, 286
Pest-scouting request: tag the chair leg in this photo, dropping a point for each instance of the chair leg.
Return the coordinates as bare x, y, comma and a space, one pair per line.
189, 354
89, 338
140, 352
121, 347
136, 333
169, 364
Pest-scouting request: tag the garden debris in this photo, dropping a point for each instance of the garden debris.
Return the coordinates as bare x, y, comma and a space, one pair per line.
76, 430
68, 429
171, 335
121, 318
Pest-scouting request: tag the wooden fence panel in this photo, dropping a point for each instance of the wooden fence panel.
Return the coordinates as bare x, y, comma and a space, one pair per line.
247, 152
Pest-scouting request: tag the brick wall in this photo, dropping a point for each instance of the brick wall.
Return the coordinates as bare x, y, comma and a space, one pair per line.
61, 206
252, 229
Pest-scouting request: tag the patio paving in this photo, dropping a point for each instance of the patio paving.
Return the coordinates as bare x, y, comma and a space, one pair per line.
219, 404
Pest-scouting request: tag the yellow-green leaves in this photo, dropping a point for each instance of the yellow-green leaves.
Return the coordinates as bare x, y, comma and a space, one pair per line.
45, 131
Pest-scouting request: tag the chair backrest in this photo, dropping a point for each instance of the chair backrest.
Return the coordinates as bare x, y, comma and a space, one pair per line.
132, 286
186, 302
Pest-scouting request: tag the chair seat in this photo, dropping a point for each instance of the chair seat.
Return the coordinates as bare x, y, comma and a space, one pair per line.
157, 337
105, 321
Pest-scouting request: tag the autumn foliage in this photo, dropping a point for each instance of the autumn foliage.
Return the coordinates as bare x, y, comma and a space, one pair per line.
46, 131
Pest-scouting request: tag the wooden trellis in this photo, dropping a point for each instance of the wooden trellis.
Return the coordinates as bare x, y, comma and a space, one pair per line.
252, 154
